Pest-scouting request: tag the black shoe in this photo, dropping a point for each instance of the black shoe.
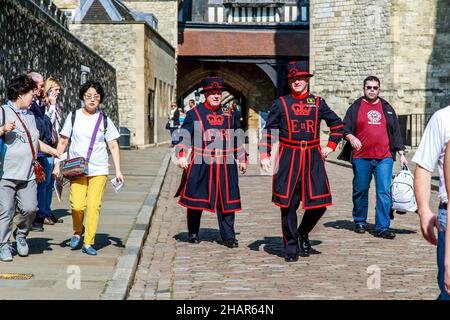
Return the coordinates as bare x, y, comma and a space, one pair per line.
360, 228
391, 214
37, 227
231, 243
305, 245
291, 258
193, 238
55, 219
386, 234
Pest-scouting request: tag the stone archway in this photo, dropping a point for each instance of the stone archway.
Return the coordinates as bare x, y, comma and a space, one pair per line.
247, 79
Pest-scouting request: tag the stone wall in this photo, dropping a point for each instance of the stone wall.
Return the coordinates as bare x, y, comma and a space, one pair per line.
405, 43
143, 60
160, 75
32, 40
346, 46
438, 68
166, 11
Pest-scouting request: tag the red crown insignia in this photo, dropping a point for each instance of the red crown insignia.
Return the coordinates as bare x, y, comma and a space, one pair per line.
215, 119
293, 71
215, 84
300, 109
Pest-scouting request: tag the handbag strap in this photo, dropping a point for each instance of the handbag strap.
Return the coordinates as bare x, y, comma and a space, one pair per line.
94, 135
28, 134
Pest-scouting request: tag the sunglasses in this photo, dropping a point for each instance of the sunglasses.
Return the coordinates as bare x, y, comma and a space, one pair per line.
370, 88
95, 97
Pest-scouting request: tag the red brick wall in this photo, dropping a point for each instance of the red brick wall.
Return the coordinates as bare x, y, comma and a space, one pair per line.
244, 43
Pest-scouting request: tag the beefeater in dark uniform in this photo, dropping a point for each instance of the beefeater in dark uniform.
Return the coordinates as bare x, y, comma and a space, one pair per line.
299, 169
210, 179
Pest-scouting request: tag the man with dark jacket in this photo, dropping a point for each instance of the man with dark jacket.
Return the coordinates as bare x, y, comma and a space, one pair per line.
44, 126
372, 130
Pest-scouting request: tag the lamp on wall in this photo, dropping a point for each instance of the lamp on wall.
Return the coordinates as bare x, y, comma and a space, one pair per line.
197, 96
84, 71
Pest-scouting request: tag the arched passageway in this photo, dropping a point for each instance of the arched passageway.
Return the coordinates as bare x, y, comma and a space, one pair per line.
247, 83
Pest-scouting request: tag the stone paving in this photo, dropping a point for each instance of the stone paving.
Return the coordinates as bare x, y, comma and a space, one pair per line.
343, 266
51, 261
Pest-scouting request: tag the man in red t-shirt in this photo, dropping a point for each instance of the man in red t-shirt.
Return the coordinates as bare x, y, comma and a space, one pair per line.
372, 129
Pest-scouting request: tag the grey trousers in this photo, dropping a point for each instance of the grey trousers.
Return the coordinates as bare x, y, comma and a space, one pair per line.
24, 193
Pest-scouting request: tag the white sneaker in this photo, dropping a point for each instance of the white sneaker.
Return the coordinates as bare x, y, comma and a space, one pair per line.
22, 247
5, 253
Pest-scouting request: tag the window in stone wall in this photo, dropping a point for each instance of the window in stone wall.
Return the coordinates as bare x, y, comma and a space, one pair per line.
267, 14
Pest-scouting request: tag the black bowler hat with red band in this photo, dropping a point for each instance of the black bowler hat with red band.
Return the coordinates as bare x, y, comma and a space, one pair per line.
212, 83
298, 69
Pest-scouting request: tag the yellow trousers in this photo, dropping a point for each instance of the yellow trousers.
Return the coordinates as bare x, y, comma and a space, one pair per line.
87, 193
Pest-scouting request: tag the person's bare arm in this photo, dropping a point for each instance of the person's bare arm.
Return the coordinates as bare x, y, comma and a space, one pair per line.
428, 220
115, 152
61, 147
447, 232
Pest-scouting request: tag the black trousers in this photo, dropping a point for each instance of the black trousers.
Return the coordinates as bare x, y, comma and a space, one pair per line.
226, 222
289, 222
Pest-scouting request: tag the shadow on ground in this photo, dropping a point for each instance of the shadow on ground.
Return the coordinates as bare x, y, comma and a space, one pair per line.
102, 240
39, 245
274, 246
61, 213
205, 234
350, 226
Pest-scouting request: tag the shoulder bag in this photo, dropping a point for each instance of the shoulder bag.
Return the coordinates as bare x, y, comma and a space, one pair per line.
38, 170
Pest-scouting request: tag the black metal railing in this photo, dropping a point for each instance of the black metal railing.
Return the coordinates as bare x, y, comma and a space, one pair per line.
412, 127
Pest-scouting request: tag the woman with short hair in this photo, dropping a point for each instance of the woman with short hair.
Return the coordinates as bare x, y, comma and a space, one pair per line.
20, 144
86, 192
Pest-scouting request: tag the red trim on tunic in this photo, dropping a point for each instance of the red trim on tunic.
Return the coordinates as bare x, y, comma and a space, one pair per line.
332, 145
287, 116
317, 130
337, 127
183, 194
309, 180
200, 119
299, 95
277, 164
210, 107
182, 154
289, 178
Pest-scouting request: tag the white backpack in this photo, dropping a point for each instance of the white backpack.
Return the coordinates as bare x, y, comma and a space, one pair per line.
402, 192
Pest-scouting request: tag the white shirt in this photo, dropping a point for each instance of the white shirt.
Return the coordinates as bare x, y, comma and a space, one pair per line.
54, 113
81, 138
432, 146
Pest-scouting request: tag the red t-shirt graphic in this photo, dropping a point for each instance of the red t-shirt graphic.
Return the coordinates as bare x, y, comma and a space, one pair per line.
371, 130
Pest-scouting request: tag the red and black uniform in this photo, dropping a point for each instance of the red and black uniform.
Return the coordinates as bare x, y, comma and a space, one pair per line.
299, 168
211, 181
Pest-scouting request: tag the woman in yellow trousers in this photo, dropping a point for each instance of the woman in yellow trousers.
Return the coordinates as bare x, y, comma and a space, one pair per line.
90, 133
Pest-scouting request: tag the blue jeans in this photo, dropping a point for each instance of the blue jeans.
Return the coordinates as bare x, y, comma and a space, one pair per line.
442, 216
45, 189
363, 170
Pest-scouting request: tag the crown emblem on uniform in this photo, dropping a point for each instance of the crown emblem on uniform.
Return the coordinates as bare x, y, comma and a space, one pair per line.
215, 84
300, 110
215, 119
293, 71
